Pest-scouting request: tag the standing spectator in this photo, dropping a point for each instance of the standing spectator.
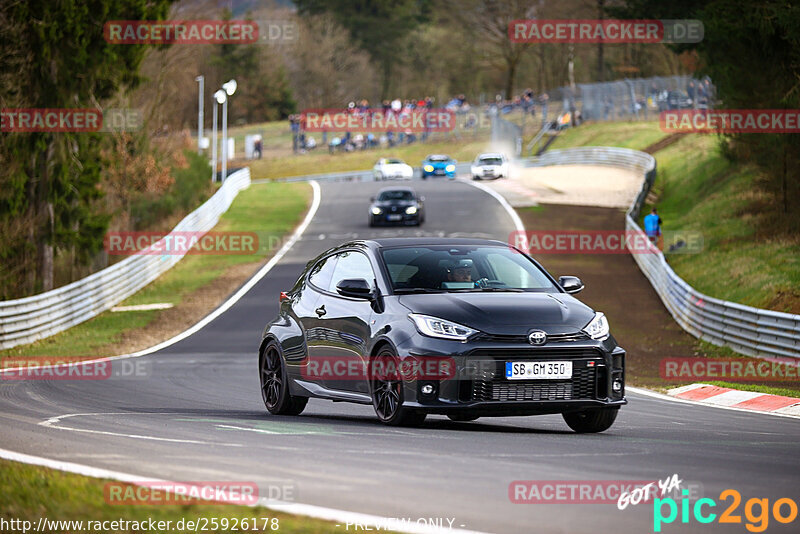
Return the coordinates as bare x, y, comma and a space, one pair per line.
294, 121
652, 226
259, 148
692, 94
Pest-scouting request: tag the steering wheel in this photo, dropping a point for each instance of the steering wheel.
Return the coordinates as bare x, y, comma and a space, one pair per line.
485, 282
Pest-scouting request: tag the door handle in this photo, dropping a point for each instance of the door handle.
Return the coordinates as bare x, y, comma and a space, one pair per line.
321, 311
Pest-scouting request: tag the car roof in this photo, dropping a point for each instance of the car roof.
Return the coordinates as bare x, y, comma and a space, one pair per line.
397, 188
387, 242
431, 156
490, 155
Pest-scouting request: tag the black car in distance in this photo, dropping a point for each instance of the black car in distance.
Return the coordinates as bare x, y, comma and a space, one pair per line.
397, 205
460, 327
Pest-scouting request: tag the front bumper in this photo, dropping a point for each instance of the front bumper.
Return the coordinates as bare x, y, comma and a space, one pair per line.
488, 174
478, 385
389, 219
438, 172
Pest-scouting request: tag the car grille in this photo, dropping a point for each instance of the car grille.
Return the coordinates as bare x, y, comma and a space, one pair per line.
486, 371
551, 338
582, 386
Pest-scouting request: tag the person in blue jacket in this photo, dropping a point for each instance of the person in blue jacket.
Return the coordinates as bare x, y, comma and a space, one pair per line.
652, 225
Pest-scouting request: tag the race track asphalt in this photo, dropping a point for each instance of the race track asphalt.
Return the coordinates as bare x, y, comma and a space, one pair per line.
195, 414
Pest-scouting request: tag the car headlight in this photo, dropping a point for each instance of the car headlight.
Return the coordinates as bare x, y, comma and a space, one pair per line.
597, 327
450, 168
411, 210
428, 168
376, 210
435, 327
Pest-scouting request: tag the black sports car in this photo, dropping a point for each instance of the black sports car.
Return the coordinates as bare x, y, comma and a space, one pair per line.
397, 205
461, 327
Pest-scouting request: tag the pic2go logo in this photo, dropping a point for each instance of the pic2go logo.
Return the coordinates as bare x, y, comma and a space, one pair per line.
757, 521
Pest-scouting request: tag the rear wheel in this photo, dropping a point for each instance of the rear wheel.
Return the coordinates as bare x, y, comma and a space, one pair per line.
275, 384
595, 420
386, 389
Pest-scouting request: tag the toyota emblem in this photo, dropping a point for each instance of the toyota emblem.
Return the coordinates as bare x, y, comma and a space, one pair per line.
537, 337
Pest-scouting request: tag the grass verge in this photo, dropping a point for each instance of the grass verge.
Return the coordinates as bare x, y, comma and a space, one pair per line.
743, 260
635, 135
32, 492
194, 286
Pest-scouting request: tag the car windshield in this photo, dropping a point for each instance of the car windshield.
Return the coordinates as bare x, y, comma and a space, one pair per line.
490, 161
438, 158
444, 268
393, 161
396, 195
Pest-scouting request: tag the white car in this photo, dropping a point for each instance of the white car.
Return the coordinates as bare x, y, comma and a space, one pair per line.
490, 166
392, 168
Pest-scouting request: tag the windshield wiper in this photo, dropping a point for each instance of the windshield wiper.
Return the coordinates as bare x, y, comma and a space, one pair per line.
418, 290
490, 289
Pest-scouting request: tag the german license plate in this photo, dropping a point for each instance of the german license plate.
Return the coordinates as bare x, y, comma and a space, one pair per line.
538, 370
394, 217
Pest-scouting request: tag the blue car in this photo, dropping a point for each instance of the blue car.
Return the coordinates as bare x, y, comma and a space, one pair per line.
439, 165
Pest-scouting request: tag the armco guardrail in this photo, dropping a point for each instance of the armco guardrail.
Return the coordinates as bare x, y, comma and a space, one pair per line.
32, 318
745, 329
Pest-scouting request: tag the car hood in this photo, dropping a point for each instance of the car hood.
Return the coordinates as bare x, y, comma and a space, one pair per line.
504, 313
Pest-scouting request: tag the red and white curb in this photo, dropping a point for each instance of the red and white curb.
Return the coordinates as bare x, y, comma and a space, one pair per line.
734, 398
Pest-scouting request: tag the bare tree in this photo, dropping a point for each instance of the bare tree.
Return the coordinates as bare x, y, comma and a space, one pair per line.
326, 69
488, 21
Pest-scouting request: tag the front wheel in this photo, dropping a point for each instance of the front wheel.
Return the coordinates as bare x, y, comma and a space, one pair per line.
593, 420
386, 389
275, 384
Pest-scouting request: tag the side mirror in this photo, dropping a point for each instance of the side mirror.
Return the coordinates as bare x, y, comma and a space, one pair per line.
421, 199
372, 199
354, 287
570, 284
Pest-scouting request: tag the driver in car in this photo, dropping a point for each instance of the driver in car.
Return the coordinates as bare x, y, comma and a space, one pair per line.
460, 271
